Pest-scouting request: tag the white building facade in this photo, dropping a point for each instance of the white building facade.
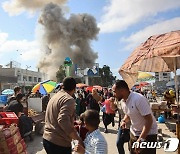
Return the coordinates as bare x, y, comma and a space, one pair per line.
162, 76
13, 76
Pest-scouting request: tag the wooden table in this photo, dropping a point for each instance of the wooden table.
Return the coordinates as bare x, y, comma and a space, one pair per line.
38, 119
161, 110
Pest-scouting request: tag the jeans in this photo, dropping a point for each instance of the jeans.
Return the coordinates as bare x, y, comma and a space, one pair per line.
51, 148
120, 142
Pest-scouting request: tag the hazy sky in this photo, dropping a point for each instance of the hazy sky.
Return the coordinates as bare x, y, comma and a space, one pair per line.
124, 24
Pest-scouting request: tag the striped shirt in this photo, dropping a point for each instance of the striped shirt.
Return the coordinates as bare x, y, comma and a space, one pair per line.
136, 107
95, 143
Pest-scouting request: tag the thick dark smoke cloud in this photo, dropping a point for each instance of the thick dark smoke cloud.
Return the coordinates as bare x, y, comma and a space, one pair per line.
66, 38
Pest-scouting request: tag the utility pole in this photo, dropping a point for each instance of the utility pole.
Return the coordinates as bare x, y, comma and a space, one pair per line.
27, 67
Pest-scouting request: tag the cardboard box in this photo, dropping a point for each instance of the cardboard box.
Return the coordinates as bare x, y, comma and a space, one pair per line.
19, 148
1, 127
24, 152
7, 144
4, 134
14, 139
7, 132
13, 129
10, 143
4, 148
154, 106
5, 152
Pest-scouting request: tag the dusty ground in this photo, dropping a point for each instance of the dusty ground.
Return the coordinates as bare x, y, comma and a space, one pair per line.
36, 146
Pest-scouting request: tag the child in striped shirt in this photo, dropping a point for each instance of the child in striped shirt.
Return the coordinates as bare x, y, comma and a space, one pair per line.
94, 142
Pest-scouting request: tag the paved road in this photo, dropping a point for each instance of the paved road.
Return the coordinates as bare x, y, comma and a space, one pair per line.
36, 146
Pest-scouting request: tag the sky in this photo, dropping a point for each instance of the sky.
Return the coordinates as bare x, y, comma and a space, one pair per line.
124, 25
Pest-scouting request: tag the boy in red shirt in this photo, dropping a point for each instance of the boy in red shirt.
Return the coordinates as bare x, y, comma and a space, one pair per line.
80, 127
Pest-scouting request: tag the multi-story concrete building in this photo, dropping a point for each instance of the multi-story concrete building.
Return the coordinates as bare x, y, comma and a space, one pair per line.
14, 76
162, 76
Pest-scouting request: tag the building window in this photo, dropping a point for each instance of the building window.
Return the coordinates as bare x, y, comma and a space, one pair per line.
35, 79
19, 77
39, 79
30, 78
24, 78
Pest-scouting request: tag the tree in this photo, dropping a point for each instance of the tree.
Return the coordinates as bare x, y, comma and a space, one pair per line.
105, 78
60, 74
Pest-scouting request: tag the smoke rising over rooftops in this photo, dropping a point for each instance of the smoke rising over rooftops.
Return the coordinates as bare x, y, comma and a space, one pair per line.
62, 37
66, 38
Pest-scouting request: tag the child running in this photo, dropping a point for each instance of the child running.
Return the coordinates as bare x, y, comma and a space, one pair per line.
81, 128
94, 142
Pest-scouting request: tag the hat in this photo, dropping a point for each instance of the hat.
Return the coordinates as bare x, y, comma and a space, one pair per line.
171, 92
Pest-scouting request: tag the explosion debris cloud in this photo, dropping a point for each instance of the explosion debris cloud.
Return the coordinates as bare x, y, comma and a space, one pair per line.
66, 38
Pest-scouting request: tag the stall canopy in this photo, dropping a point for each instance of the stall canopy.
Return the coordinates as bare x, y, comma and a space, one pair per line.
159, 53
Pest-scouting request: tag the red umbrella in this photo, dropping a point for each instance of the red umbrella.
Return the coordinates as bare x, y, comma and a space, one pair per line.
89, 88
98, 87
81, 85
142, 84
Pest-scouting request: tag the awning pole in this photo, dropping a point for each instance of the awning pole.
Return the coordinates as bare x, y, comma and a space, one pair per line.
175, 81
177, 100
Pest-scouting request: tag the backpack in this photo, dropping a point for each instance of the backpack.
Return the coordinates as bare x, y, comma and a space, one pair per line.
25, 125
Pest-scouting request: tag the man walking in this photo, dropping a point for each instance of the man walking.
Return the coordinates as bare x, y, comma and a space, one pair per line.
137, 110
59, 129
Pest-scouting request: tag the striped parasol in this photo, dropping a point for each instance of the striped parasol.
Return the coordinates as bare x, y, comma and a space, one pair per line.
44, 87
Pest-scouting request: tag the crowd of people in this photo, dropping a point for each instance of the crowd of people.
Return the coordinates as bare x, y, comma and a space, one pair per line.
15, 104
73, 116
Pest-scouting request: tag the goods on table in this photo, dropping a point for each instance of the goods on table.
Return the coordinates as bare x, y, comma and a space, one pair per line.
163, 107
154, 106
163, 103
32, 112
157, 106
11, 141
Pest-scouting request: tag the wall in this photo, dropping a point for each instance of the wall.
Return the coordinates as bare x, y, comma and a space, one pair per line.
7, 71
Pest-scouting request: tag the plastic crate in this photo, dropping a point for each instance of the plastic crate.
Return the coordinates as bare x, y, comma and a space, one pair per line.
3, 99
7, 118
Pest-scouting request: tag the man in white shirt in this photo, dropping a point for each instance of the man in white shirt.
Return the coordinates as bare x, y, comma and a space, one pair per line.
94, 142
138, 112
